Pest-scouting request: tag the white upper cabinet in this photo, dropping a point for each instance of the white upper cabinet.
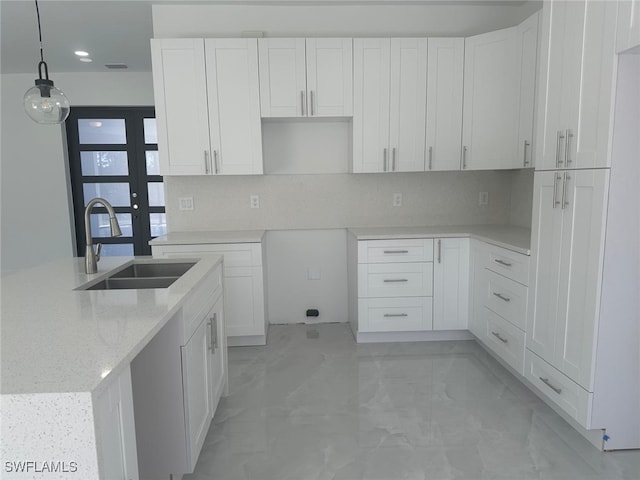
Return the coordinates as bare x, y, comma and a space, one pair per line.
180, 91
576, 74
528, 56
390, 77
444, 103
306, 78
491, 80
628, 35
207, 106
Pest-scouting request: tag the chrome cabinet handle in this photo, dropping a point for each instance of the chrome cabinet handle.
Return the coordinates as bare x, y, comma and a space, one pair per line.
548, 384
558, 141
499, 337
525, 161
566, 179
206, 162
393, 159
555, 189
430, 158
216, 168
567, 148
464, 157
311, 95
384, 159
395, 280
502, 262
395, 251
391, 315
215, 330
302, 102
502, 297
439, 251
212, 347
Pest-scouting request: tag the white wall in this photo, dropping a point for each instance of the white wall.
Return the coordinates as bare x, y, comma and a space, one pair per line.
521, 208
35, 216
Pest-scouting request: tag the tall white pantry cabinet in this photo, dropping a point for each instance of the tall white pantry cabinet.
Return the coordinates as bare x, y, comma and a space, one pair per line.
582, 339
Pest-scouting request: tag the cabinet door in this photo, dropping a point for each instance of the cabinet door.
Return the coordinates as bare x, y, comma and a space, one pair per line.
489, 130
444, 103
282, 77
234, 106
408, 92
244, 301
546, 240
197, 388
180, 91
329, 77
451, 284
584, 203
115, 429
628, 34
371, 104
527, 53
479, 257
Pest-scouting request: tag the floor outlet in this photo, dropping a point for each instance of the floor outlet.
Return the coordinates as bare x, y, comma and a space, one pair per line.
397, 199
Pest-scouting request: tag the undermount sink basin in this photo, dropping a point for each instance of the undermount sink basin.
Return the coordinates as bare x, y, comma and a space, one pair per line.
141, 275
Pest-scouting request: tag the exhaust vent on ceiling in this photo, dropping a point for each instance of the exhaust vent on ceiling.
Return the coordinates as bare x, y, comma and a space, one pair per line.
117, 66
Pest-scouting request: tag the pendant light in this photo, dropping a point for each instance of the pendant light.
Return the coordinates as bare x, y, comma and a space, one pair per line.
44, 103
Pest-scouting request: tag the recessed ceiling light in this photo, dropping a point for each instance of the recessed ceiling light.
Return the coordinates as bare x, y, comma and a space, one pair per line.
86, 60
81, 53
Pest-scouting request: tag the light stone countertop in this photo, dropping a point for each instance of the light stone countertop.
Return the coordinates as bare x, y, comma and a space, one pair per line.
59, 340
517, 239
198, 238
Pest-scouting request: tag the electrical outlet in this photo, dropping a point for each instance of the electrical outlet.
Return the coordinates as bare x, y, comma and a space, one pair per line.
483, 198
397, 199
254, 201
185, 203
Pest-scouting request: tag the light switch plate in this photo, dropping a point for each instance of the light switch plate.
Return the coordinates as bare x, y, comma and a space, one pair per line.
185, 203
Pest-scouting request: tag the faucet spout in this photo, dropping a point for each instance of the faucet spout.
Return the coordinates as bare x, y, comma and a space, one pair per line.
92, 257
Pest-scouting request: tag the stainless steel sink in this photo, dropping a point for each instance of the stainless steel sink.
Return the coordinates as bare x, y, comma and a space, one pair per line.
153, 270
141, 275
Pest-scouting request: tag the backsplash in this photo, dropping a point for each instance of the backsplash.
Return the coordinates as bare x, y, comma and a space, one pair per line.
326, 201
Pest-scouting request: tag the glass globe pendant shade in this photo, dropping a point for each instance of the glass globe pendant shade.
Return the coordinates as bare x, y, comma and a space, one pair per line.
45, 104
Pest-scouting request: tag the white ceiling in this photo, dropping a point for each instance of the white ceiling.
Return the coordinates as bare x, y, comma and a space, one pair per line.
113, 31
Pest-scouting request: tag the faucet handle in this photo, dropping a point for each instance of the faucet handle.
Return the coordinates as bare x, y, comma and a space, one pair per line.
98, 250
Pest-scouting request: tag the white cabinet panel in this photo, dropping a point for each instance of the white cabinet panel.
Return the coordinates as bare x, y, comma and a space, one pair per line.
394, 314
329, 77
490, 127
444, 103
576, 76
628, 34
371, 77
510, 264
234, 106
505, 340
506, 298
395, 280
395, 251
528, 56
451, 284
180, 91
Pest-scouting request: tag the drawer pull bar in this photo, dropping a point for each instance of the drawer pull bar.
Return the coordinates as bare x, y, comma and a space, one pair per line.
502, 297
548, 384
502, 262
395, 280
395, 251
387, 315
499, 337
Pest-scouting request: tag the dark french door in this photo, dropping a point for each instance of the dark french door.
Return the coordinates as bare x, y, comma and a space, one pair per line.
113, 154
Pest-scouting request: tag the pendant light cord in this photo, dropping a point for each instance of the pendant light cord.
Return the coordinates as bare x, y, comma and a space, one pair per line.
39, 32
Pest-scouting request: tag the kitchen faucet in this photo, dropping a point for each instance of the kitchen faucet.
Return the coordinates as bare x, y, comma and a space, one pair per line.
91, 258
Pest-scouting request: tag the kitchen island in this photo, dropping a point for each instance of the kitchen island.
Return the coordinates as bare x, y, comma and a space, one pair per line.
63, 349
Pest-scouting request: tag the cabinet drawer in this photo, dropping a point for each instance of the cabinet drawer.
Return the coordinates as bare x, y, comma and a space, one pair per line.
235, 254
395, 251
559, 389
506, 298
505, 340
510, 264
395, 280
395, 314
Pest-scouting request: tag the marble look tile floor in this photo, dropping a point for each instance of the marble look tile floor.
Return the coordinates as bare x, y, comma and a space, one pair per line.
314, 405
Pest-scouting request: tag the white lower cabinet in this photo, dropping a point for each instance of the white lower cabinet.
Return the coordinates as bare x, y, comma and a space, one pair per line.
115, 430
408, 314
451, 284
244, 280
178, 379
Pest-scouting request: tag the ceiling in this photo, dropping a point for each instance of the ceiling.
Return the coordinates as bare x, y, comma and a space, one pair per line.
112, 31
